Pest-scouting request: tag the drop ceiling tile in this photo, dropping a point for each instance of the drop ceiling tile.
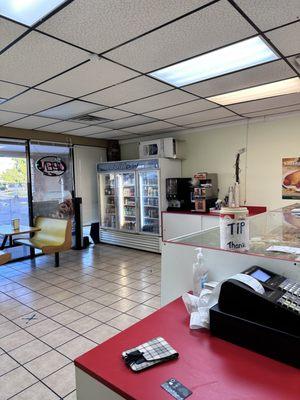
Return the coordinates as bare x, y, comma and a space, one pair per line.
126, 122
88, 77
31, 122
259, 75
152, 126
214, 122
112, 113
99, 26
292, 60
60, 127
197, 33
181, 109
89, 130
112, 135
6, 116
274, 111
128, 91
71, 109
286, 39
36, 58
268, 14
33, 101
9, 31
202, 116
265, 104
158, 101
8, 90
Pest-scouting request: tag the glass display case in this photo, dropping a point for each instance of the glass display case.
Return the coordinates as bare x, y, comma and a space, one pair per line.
149, 201
275, 228
127, 201
108, 204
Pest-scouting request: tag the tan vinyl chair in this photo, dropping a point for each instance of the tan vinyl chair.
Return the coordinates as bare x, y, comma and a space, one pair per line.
54, 236
4, 257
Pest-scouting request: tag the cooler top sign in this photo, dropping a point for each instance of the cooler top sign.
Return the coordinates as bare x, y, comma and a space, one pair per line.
51, 166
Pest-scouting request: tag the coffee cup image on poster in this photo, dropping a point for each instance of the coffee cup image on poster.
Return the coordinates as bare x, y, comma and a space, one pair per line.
291, 178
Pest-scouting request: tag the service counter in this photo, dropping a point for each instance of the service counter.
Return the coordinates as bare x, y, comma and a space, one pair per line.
179, 223
279, 227
211, 368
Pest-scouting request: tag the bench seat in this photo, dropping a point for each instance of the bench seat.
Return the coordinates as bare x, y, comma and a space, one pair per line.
54, 236
4, 257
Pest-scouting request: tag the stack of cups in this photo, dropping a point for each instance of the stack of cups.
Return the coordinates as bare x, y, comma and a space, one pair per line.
234, 228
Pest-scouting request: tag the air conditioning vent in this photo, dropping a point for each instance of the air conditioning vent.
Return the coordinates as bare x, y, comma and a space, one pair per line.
89, 119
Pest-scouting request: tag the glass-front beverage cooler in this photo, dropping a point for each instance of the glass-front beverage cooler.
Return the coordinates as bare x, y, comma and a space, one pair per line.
108, 203
132, 195
127, 201
149, 202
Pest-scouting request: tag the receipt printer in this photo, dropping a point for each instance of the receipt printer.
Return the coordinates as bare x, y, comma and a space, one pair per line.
266, 321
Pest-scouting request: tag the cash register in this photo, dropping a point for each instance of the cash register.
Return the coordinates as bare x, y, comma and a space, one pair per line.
267, 322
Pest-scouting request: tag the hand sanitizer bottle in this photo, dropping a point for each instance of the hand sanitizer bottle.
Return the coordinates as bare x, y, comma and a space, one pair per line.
199, 273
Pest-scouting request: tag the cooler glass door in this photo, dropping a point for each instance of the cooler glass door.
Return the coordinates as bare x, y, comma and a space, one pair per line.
149, 202
127, 203
108, 201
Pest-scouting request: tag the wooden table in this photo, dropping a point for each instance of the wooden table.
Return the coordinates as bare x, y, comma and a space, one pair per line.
8, 233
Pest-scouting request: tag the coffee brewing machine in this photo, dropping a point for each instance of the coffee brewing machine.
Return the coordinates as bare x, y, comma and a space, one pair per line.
205, 191
179, 194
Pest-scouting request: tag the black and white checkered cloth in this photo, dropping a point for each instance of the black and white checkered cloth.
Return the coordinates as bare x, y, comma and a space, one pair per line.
153, 352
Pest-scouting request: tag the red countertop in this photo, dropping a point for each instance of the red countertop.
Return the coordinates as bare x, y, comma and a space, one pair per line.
212, 368
253, 210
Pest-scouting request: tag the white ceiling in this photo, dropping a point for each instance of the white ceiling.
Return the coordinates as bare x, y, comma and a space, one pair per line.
47, 77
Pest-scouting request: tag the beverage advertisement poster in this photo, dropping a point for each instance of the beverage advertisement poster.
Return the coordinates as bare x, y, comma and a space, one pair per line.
291, 178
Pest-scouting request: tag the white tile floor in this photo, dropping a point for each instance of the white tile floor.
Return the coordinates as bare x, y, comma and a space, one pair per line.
49, 316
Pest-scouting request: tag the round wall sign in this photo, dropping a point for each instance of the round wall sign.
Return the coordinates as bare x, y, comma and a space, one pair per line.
51, 166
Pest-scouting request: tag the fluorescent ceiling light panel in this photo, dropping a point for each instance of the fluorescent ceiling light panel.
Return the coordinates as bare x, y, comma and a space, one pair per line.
232, 58
71, 109
279, 88
28, 12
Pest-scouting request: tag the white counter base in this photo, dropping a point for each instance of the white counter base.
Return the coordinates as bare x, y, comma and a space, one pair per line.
89, 388
179, 224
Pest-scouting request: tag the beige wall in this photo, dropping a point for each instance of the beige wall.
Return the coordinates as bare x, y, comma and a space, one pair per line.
214, 150
129, 151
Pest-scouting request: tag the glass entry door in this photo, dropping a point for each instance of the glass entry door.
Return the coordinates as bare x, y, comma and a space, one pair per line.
52, 180
127, 201
149, 201
108, 202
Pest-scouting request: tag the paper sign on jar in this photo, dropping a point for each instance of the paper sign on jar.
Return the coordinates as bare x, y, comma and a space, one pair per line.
234, 229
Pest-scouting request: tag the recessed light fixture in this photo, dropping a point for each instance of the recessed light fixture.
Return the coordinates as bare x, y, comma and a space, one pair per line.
279, 88
231, 58
28, 12
71, 109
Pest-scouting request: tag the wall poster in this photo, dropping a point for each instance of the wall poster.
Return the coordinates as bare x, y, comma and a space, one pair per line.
291, 178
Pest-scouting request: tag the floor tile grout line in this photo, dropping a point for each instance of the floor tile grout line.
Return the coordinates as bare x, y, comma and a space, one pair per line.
101, 322
116, 269
36, 377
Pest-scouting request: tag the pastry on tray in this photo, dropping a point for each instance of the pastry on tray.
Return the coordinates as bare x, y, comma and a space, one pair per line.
292, 179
